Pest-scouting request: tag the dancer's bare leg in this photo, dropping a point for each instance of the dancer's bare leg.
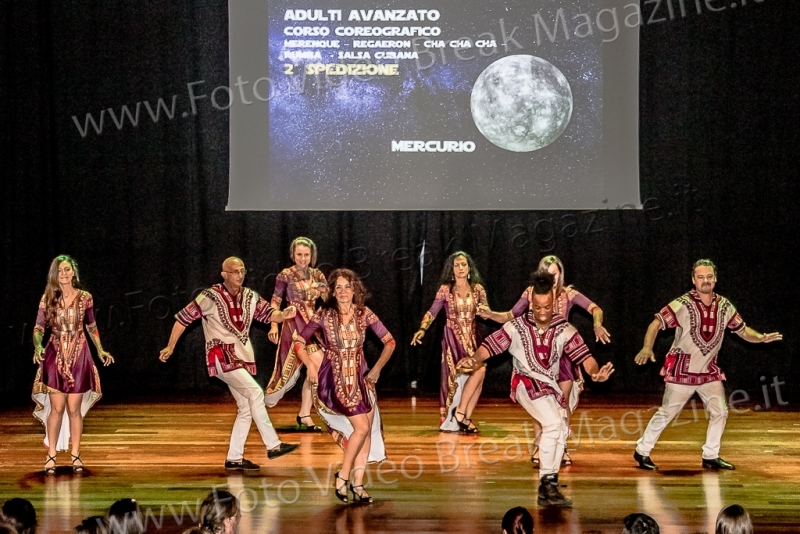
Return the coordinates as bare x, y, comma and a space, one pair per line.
58, 403
306, 404
361, 433
361, 460
75, 424
471, 393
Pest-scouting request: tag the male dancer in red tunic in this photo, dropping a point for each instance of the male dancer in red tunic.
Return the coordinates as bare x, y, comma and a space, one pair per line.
228, 310
700, 318
537, 341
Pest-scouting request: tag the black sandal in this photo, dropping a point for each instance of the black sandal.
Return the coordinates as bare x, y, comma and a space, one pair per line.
341, 496
464, 424
77, 469
361, 496
50, 471
304, 427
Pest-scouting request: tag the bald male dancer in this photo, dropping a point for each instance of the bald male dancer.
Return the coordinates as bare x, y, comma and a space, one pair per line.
228, 310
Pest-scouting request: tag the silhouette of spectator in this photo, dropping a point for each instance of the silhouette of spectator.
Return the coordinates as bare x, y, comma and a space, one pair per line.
734, 519
96, 524
219, 513
125, 517
518, 520
639, 524
19, 514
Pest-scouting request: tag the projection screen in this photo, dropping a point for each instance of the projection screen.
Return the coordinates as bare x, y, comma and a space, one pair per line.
438, 105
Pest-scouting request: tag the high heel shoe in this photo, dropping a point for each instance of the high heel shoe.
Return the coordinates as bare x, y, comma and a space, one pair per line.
341, 496
50, 471
465, 425
304, 427
77, 469
535, 457
361, 496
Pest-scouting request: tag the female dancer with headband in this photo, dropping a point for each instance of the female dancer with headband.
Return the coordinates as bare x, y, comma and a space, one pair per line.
302, 285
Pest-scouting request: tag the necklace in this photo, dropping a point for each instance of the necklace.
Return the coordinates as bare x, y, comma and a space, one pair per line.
68, 298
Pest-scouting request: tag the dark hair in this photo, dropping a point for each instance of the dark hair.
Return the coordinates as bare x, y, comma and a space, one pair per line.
542, 282
125, 517
52, 291
704, 263
7, 529
546, 262
518, 520
360, 294
20, 514
734, 519
95, 524
216, 508
639, 524
448, 277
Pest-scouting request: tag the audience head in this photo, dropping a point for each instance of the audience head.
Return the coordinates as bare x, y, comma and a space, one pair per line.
518, 520
734, 519
95, 524
125, 517
639, 524
19, 514
7, 529
220, 513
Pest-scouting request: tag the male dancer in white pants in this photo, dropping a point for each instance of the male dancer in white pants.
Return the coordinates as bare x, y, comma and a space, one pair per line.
537, 340
228, 310
700, 318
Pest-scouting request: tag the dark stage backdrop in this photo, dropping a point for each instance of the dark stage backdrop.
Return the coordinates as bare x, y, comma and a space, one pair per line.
143, 208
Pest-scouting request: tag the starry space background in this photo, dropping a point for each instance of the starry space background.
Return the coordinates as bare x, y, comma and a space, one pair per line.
330, 146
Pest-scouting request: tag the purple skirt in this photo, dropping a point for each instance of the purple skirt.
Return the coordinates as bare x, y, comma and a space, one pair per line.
48, 380
333, 393
83, 371
567, 371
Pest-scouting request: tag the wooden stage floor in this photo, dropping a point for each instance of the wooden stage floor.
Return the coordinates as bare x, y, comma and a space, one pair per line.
169, 455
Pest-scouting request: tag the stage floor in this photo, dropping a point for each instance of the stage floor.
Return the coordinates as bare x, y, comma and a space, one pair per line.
169, 455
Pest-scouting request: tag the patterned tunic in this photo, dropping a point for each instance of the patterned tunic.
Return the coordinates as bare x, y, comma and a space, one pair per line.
226, 325
562, 305
692, 359
302, 293
460, 338
68, 366
341, 387
537, 354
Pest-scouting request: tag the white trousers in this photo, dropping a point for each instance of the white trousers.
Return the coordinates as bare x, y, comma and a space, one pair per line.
553, 419
250, 399
675, 397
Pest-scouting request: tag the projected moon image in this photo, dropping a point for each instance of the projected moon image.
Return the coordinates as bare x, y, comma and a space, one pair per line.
521, 103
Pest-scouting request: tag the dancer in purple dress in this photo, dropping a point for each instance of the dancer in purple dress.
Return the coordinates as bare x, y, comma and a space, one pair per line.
302, 285
67, 383
345, 386
462, 296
